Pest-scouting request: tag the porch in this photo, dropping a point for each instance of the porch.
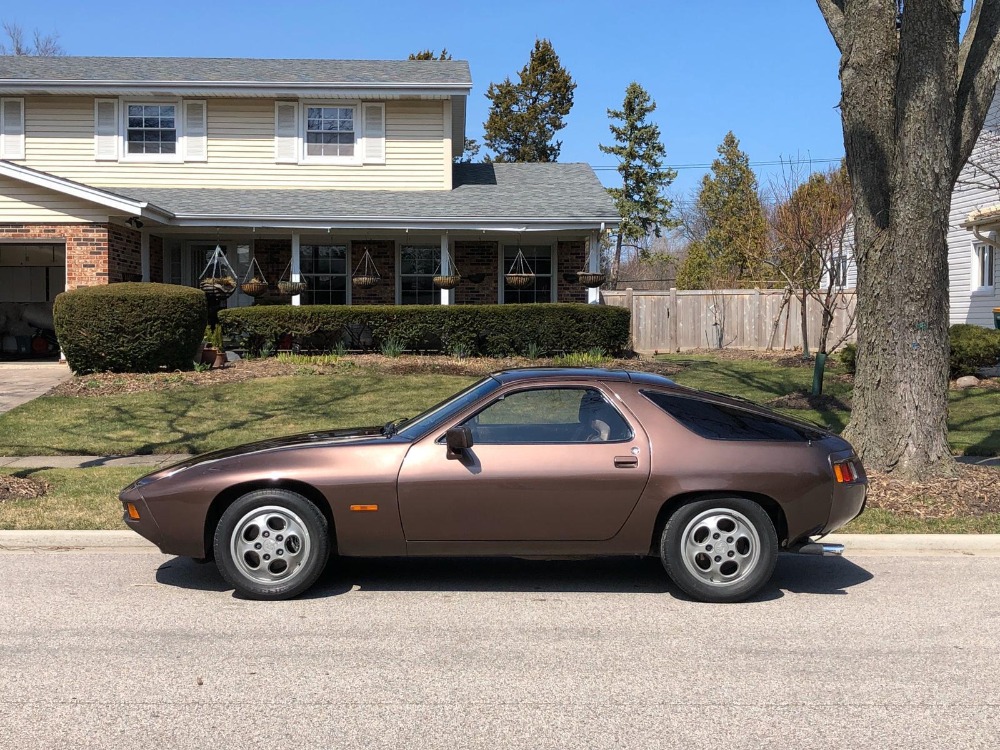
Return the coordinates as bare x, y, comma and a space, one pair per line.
405, 265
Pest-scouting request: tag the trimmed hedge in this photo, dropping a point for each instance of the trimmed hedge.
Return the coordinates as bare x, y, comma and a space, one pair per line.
484, 330
130, 327
972, 348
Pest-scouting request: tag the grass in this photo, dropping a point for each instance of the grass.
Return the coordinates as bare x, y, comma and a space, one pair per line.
879, 521
193, 419
974, 414
77, 499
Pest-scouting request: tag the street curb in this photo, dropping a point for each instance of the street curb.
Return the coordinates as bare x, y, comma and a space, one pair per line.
126, 541
895, 545
903, 545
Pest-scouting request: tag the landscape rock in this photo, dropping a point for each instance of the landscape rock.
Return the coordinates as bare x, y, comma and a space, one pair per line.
967, 381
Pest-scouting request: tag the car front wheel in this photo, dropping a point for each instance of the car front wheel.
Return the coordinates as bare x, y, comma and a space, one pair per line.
719, 549
272, 544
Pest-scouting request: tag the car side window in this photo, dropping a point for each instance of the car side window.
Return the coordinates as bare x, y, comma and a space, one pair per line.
549, 415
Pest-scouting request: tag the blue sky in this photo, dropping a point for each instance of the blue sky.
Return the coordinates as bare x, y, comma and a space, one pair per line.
767, 70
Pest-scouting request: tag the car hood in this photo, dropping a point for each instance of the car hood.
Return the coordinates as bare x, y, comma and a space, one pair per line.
352, 436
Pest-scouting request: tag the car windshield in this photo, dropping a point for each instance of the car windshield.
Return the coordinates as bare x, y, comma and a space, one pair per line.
423, 423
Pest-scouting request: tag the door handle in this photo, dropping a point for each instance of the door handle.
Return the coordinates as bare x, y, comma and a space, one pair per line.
626, 462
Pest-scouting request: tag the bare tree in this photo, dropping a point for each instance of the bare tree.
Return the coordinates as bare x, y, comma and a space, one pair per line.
914, 99
813, 233
42, 45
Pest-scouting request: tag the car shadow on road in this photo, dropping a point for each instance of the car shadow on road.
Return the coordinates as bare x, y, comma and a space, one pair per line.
800, 574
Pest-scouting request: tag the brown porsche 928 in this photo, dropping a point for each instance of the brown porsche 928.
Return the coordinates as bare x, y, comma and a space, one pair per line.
532, 463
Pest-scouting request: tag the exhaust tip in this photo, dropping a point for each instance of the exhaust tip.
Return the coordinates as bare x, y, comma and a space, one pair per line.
821, 548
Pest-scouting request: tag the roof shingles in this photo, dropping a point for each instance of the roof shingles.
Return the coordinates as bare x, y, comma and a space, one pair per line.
234, 70
528, 192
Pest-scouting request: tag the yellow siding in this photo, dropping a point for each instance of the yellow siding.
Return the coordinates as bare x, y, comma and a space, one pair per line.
60, 140
21, 203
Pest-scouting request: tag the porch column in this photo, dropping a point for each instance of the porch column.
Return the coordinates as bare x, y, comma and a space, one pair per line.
144, 253
296, 266
447, 295
594, 264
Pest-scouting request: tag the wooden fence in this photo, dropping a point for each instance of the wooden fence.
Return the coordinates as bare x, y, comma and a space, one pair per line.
669, 321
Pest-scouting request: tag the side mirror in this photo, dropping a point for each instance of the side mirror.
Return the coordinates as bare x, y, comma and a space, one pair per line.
458, 440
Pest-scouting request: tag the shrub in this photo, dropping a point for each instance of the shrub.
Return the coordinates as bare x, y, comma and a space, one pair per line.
130, 327
972, 348
849, 358
483, 330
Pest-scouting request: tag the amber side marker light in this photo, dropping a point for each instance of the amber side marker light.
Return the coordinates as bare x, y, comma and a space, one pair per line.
363, 508
132, 511
844, 472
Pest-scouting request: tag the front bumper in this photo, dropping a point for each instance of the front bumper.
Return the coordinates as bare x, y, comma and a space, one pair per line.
146, 525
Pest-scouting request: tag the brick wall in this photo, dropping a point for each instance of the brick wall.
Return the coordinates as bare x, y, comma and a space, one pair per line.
476, 258
383, 254
86, 248
155, 258
572, 256
124, 254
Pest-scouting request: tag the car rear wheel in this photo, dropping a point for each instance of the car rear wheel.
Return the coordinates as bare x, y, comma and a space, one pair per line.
719, 549
272, 544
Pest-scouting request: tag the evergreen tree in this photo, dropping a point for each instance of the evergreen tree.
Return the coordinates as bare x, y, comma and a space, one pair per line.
732, 249
640, 201
469, 152
429, 54
525, 116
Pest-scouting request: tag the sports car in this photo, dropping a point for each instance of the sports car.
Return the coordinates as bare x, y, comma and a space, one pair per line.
544, 462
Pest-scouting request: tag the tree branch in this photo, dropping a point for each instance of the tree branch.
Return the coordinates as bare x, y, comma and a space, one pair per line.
833, 12
978, 68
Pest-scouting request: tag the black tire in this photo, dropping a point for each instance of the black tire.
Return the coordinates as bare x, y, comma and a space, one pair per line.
719, 549
272, 544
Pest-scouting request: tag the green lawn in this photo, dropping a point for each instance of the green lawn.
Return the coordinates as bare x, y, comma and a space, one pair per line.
974, 422
76, 499
193, 419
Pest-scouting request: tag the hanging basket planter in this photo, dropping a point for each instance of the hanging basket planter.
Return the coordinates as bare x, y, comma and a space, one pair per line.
218, 279
254, 288
475, 278
590, 279
447, 282
287, 287
254, 282
366, 275
519, 280
365, 281
291, 288
519, 275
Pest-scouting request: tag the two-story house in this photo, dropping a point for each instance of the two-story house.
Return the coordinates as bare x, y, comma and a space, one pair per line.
119, 169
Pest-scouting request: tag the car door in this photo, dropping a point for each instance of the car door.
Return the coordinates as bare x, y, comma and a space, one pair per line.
547, 463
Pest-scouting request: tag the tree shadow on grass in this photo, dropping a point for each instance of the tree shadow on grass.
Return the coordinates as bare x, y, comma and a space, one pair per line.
800, 574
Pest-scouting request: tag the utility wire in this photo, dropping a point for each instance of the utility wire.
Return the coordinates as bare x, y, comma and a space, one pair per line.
774, 163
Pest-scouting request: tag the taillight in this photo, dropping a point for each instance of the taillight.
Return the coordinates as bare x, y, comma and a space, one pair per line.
845, 472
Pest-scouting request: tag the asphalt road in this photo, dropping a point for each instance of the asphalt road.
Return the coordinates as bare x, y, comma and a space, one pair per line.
139, 650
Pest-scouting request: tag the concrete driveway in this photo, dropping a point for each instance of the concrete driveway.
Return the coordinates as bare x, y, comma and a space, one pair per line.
136, 650
21, 382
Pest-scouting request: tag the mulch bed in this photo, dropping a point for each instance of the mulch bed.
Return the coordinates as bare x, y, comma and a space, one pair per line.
802, 400
971, 491
21, 488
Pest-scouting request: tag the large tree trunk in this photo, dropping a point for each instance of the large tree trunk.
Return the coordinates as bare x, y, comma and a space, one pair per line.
898, 110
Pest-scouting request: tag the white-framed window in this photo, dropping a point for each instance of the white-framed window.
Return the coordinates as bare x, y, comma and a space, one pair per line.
151, 129
418, 264
326, 270
541, 259
983, 266
329, 132
839, 271
11, 128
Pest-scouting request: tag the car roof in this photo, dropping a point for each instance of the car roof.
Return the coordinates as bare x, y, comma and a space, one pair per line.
521, 374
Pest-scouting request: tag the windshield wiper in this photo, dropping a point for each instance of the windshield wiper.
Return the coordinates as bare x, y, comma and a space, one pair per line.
391, 428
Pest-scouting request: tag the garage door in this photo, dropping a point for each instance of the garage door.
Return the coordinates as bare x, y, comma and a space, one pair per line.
31, 275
